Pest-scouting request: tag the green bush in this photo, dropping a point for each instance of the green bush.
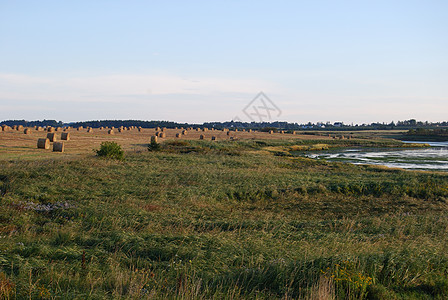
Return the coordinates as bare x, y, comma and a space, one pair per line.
110, 150
379, 292
153, 146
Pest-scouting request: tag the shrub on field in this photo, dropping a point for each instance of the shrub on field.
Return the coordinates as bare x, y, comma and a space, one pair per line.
153, 145
110, 150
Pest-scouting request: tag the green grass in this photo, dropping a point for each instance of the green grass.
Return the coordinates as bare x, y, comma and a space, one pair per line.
220, 220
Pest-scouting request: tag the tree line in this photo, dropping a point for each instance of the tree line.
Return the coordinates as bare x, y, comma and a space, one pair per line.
407, 124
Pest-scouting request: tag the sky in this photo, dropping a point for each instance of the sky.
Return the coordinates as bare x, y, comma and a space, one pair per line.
199, 61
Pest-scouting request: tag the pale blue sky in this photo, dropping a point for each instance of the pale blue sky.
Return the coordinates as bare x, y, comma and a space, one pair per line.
196, 61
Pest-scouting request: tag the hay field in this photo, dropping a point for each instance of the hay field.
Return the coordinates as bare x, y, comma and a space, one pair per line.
17, 145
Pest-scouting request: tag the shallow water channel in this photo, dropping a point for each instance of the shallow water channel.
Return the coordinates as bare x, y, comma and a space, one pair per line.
433, 158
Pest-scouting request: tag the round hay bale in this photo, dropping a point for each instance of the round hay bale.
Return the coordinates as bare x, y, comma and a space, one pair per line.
204, 129
201, 137
27, 131
228, 132
39, 128
120, 130
294, 132
111, 131
58, 147
4, 128
157, 133
162, 135
164, 129
52, 137
20, 128
157, 128
58, 129
250, 130
198, 129
43, 144
154, 139
90, 130
101, 128
271, 131
282, 132
184, 132
213, 138
50, 129
178, 135
14, 127
65, 136
80, 128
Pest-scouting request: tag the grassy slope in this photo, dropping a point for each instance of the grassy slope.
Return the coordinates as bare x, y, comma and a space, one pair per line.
427, 138
221, 220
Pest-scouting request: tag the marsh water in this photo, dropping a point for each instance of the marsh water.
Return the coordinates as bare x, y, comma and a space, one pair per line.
433, 158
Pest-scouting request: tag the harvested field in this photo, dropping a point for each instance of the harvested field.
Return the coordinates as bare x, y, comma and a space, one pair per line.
15, 144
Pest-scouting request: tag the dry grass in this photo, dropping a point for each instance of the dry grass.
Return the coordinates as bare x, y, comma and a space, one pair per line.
16, 145
309, 147
323, 290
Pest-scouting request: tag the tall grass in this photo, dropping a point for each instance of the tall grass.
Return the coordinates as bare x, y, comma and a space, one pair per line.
205, 220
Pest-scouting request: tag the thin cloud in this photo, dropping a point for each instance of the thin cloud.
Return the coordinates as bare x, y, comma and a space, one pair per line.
18, 86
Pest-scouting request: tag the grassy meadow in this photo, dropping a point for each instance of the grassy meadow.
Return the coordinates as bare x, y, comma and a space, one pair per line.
221, 220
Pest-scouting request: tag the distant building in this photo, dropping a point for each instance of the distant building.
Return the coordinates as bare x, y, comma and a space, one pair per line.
338, 124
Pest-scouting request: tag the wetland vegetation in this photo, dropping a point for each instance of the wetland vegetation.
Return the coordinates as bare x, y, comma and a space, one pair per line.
227, 219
